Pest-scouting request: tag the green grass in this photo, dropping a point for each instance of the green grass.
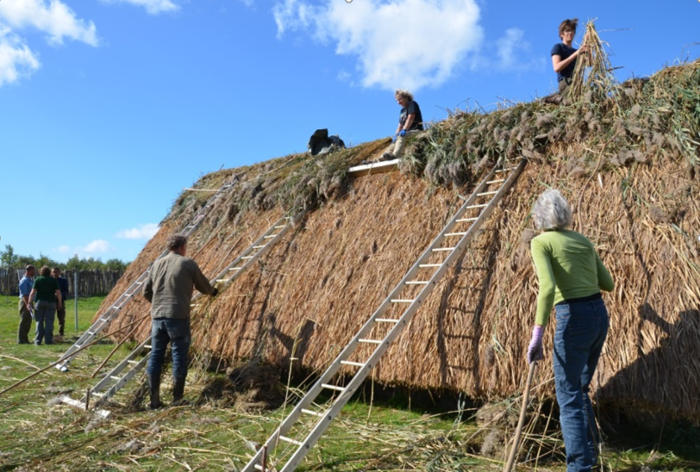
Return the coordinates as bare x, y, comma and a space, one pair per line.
37, 433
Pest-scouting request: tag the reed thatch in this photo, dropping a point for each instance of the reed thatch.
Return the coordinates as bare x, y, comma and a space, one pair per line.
628, 162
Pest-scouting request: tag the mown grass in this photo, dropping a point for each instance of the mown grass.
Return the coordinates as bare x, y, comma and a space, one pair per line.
37, 433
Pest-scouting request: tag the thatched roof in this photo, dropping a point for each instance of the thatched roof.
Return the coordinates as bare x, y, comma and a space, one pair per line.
628, 161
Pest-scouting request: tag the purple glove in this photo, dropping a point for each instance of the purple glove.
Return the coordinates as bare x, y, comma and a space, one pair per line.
534, 350
402, 132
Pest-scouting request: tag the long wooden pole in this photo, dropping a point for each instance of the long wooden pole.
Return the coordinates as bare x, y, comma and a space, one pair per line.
516, 437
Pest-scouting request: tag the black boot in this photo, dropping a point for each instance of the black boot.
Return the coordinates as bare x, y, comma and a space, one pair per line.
179, 390
154, 387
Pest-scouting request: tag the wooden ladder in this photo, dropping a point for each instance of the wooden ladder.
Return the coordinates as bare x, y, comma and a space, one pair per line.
305, 424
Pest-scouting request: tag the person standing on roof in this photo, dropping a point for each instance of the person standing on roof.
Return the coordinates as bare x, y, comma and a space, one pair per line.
571, 276
168, 288
564, 55
25, 315
410, 120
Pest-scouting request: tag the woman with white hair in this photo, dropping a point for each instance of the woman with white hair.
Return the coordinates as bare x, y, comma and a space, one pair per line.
570, 275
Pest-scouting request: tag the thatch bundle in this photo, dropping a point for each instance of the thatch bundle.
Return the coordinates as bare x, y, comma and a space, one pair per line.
628, 164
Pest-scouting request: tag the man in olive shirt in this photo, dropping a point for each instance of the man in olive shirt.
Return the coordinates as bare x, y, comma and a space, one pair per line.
169, 289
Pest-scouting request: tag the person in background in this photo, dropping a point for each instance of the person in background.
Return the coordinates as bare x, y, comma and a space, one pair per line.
48, 298
571, 276
25, 315
61, 311
564, 55
410, 120
169, 290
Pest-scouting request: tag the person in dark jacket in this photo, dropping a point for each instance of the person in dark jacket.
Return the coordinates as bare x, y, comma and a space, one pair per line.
48, 298
61, 310
168, 288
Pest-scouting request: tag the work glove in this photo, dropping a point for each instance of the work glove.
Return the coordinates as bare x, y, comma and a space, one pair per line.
215, 292
402, 132
534, 350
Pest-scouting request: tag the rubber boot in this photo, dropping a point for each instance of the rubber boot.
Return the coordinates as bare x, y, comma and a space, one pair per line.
179, 391
154, 387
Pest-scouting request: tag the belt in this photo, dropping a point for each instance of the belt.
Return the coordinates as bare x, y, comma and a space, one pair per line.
590, 298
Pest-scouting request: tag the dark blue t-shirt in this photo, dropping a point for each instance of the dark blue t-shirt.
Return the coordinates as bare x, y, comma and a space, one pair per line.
564, 51
410, 109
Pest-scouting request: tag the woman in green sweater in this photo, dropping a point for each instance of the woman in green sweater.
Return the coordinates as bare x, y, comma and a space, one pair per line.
570, 275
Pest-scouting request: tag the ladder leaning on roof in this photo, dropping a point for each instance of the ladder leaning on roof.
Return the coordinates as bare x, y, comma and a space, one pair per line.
425, 273
133, 289
115, 379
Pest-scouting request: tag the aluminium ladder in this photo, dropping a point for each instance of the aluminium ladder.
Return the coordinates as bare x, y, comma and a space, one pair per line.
107, 317
423, 276
120, 375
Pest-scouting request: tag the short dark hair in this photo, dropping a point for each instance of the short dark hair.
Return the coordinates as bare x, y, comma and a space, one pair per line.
45, 271
29, 267
568, 24
176, 241
56, 269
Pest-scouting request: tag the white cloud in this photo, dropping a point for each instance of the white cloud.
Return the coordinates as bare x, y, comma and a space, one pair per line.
404, 43
146, 231
153, 7
16, 59
514, 52
55, 19
63, 249
97, 246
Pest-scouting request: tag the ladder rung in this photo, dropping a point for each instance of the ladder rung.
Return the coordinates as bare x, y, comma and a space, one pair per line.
258, 467
463, 220
291, 441
258, 247
91, 332
221, 280
131, 361
278, 227
455, 234
483, 194
356, 364
370, 341
442, 249
270, 236
147, 346
386, 320
506, 170
309, 412
417, 282
481, 205
235, 268
401, 300
333, 387
97, 394
247, 257
497, 181
114, 377
429, 265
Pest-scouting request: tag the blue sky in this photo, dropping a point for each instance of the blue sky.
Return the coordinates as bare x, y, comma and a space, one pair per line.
110, 107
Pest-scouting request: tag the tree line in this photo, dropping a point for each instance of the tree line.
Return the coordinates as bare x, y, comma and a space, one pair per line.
10, 260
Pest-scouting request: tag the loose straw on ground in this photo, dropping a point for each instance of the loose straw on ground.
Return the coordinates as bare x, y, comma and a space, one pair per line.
521, 421
53, 364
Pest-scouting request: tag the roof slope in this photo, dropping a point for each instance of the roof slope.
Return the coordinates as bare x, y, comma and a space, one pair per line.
627, 161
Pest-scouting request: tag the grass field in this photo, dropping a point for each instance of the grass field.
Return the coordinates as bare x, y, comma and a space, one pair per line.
39, 434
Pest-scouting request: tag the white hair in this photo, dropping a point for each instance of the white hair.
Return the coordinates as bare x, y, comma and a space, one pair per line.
551, 211
404, 93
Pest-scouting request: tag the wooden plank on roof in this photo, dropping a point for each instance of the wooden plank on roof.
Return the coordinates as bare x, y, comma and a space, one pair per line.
374, 168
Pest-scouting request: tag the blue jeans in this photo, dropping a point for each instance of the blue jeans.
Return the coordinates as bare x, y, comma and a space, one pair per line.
578, 340
44, 313
175, 332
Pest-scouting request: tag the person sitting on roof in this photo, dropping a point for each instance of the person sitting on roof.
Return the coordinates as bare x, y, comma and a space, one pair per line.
410, 120
564, 55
